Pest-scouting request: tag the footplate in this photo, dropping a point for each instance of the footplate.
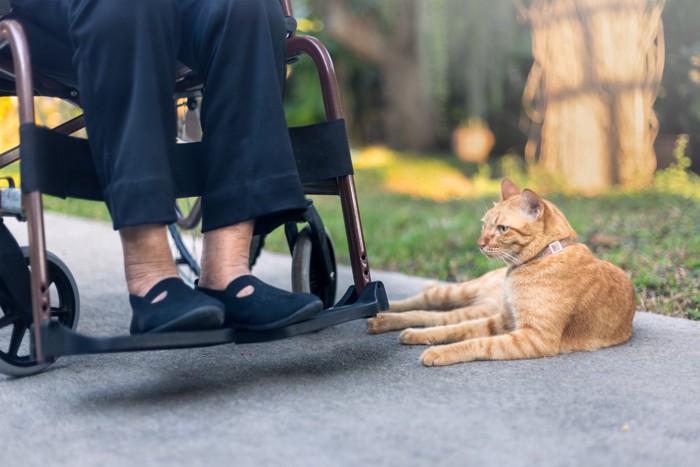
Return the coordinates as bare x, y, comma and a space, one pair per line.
57, 340
349, 308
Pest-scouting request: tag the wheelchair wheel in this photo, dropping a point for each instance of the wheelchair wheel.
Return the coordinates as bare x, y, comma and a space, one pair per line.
185, 233
308, 271
15, 356
189, 213
186, 239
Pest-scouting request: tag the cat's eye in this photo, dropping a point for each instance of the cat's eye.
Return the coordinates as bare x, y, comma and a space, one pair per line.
502, 228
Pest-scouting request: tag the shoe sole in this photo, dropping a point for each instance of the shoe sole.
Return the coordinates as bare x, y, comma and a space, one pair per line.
200, 319
307, 311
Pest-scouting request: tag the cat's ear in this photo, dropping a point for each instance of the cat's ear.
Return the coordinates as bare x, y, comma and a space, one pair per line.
508, 189
532, 204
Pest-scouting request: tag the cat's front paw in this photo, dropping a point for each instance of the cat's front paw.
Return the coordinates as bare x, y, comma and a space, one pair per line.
415, 337
383, 322
438, 356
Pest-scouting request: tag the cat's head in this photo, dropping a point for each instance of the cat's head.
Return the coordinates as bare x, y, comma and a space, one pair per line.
521, 225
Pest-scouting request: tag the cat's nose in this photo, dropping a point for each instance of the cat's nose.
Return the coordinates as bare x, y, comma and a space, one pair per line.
482, 242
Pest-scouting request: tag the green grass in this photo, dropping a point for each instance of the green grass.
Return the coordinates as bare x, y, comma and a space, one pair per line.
653, 234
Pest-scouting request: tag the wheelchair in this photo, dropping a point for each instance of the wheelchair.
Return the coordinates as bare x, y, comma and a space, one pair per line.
39, 297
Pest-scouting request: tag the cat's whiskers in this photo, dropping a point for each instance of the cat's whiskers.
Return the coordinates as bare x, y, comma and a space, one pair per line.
512, 259
502, 255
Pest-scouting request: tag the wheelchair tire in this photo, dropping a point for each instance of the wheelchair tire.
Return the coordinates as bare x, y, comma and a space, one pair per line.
15, 356
185, 245
307, 269
186, 238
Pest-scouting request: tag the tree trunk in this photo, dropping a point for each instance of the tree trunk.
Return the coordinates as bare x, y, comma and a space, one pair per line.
406, 112
591, 90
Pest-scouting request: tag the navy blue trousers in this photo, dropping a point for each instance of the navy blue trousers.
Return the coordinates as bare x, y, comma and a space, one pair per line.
122, 55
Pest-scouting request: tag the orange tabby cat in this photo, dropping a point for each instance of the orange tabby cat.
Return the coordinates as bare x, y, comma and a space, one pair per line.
553, 296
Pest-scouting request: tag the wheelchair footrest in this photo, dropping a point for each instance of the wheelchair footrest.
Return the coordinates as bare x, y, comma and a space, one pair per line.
350, 307
58, 340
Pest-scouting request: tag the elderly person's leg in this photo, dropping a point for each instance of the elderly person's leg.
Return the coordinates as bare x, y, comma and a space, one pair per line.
239, 48
125, 55
226, 256
121, 55
147, 257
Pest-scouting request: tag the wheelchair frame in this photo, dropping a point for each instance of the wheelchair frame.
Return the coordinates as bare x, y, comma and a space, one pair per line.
51, 340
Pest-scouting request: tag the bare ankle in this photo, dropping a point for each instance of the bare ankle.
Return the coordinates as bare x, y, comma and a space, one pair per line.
220, 277
225, 255
147, 257
141, 278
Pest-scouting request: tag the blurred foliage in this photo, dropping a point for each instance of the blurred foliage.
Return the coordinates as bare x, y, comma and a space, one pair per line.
678, 178
358, 83
474, 53
678, 104
49, 112
303, 101
488, 41
9, 136
472, 56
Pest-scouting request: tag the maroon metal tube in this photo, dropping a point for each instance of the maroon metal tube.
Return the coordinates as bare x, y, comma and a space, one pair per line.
326, 72
348, 196
12, 33
70, 126
353, 229
287, 7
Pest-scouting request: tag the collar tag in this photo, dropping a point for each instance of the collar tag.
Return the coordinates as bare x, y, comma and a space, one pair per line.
555, 247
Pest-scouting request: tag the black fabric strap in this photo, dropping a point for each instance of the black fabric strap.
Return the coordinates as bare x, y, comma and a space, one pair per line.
56, 164
321, 151
62, 166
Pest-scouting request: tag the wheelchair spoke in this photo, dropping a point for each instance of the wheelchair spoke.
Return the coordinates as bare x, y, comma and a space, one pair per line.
9, 320
15, 336
18, 334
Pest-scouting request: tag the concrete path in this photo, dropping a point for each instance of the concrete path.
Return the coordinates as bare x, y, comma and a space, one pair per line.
341, 397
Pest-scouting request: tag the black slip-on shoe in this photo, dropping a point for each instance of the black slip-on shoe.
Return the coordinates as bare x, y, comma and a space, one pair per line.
182, 309
266, 308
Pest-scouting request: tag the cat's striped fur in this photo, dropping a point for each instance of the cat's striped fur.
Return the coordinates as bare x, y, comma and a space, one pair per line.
539, 305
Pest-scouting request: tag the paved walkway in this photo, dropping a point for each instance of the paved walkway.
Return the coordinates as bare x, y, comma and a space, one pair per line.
341, 397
